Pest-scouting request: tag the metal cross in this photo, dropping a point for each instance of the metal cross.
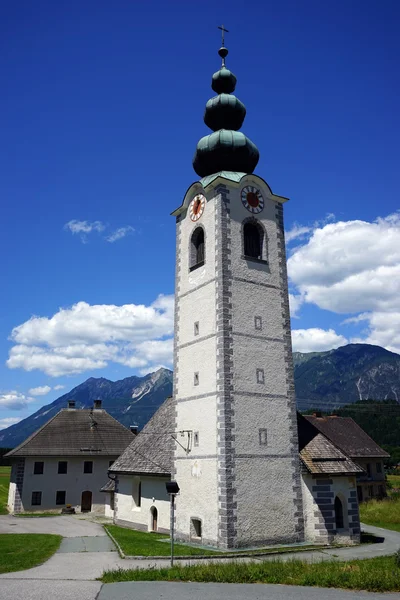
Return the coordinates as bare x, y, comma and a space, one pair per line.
223, 34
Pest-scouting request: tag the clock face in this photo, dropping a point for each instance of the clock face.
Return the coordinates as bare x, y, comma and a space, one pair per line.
252, 199
196, 207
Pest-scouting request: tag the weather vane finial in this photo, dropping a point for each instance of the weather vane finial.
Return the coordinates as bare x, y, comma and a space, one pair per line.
223, 51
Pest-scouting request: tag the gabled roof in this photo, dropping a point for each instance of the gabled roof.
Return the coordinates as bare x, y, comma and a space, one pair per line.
109, 486
77, 432
152, 450
321, 456
345, 434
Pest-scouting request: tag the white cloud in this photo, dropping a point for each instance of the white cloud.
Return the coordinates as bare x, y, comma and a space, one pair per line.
42, 390
316, 340
14, 400
296, 232
350, 268
87, 337
120, 233
8, 421
295, 302
59, 387
83, 227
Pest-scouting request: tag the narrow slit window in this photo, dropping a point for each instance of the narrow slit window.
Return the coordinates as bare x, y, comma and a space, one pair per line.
196, 379
260, 375
339, 513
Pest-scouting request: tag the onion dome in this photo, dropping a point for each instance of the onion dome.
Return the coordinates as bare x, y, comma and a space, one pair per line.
226, 149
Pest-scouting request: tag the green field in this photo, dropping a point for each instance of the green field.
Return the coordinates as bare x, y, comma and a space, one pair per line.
4, 483
19, 551
384, 513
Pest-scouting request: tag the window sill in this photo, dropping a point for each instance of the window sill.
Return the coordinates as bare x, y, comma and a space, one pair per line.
253, 259
200, 264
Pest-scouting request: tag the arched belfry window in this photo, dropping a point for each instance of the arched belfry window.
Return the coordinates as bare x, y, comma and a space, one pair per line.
252, 240
197, 249
339, 517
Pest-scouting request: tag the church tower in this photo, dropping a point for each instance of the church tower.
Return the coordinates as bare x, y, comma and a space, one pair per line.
239, 472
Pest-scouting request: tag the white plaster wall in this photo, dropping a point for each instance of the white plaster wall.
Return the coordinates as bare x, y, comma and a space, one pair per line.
265, 304
11, 496
108, 511
309, 506
74, 482
197, 306
201, 416
271, 415
252, 354
153, 494
199, 496
265, 510
201, 358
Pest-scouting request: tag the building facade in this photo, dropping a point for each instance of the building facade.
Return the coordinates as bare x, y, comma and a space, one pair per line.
66, 462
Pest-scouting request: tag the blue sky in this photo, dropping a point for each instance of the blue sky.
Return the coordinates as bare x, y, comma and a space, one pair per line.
100, 114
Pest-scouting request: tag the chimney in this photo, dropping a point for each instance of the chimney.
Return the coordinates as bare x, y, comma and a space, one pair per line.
134, 429
71, 404
97, 404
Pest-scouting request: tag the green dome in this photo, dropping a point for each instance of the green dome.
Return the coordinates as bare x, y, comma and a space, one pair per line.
226, 149
223, 81
224, 112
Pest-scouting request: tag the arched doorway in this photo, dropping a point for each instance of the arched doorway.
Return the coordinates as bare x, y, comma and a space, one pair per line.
154, 517
86, 501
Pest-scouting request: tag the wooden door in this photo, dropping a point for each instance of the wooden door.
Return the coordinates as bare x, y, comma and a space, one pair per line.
86, 501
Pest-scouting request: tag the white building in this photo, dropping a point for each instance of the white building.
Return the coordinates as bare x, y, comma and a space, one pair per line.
66, 461
232, 419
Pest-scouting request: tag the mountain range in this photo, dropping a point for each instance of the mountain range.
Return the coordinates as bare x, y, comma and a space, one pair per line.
323, 380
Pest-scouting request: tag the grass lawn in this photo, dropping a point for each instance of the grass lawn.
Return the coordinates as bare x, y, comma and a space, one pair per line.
374, 574
141, 543
4, 483
20, 551
381, 513
394, 480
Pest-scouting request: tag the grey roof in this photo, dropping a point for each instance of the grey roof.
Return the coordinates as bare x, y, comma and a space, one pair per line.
319, 455
348, 436
152, 450
109, 486
77, 432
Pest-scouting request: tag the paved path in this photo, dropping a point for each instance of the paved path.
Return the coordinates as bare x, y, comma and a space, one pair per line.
67, 526
156, 590
87, 552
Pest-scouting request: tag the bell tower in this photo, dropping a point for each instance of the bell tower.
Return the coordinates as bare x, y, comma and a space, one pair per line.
239, 476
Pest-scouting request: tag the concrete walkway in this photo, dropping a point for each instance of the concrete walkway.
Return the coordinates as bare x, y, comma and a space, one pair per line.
87, 552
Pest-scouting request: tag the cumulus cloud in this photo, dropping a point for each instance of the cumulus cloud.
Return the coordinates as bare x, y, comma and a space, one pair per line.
59, 387
85, 337
353, 267
14, 400
8, 421
120, 233
316, 340
296, 232
41, 390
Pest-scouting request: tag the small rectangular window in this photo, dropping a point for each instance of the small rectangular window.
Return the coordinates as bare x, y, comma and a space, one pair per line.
88, 466
38, 468
260, 375
62, 467
196, 328
369, 472
379, 467
60, 497
258, 323
196, 528
196, 379
36, 498
196, 438
262, 437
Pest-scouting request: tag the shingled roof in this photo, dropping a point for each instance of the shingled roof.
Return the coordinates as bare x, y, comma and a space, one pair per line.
345, 434
76, 432
152, 450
